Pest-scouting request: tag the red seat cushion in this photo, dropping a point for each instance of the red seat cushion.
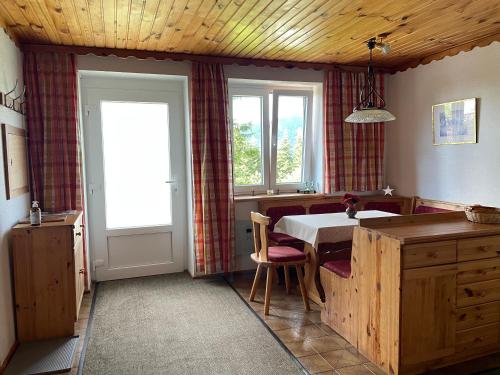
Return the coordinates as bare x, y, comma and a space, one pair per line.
340, 267
326, 208
276, 213
284, 254
428, 210
282, 238
392, 207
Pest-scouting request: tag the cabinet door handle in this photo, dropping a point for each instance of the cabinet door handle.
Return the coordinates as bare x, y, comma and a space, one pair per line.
78, 233
82, 270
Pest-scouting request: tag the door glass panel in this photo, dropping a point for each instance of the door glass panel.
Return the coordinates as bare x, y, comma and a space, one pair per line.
136, 164
291, 124
247, 140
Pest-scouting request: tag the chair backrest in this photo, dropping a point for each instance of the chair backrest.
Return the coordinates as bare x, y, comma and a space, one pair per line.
260, 224
326, 208
276, 213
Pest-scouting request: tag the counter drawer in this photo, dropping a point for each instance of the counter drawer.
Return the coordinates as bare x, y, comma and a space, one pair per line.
478, 270
474, 338
478, 248
429, 254
479, 315
476, 293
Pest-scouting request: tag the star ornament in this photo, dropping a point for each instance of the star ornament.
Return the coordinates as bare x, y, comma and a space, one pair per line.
388, 190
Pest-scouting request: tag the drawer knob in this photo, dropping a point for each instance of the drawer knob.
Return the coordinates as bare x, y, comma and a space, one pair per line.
469, 292
78, 233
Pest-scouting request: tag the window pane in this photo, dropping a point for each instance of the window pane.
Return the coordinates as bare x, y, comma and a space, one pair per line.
136, 164
247, 140
291, 123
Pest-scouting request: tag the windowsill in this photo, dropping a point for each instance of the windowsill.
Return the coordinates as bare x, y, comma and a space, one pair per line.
265, 197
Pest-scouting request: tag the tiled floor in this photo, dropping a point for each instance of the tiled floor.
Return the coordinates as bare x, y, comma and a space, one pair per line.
314, 344
317, 346
81, 328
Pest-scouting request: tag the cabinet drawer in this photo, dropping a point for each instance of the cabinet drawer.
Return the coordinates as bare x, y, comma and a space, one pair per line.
478, 248
479, 315
429, 254
474, 338
476, 293
478, 270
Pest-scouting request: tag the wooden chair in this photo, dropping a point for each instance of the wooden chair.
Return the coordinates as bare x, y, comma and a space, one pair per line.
273, 257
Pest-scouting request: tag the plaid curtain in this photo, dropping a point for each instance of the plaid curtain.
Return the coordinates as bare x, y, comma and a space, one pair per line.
212, 170
54, 154
354, 153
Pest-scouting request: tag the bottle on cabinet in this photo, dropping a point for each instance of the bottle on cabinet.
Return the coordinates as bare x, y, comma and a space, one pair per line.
35, 214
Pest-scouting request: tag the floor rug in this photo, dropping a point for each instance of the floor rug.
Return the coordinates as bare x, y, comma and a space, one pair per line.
172, 324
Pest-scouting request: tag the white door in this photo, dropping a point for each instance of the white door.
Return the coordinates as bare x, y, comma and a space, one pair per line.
135, 174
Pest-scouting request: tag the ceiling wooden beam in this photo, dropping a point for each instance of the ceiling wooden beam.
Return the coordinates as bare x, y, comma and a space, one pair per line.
141, 54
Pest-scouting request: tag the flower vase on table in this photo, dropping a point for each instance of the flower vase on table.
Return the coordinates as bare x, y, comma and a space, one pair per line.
350, 201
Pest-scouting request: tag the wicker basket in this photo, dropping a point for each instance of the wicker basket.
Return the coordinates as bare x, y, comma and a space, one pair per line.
483, 215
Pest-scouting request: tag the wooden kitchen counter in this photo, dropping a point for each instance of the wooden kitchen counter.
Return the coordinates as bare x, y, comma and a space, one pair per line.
424, 292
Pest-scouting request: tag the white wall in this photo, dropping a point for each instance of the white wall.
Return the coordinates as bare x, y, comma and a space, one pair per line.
461, 173
10, 210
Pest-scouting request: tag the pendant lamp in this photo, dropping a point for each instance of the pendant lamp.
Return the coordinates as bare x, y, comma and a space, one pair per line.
366, 111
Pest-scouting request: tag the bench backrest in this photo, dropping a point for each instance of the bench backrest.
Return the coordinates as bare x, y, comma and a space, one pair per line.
332, 203
426, 206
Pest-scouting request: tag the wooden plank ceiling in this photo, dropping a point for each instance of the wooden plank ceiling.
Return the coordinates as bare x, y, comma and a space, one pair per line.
323, 31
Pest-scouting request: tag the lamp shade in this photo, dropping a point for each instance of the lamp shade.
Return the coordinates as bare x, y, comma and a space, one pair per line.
370, 115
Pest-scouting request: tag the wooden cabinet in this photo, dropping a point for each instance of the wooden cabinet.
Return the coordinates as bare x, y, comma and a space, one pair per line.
425, 291
48, 277
428, 313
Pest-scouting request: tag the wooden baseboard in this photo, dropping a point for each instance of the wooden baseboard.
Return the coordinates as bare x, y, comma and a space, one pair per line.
5, 362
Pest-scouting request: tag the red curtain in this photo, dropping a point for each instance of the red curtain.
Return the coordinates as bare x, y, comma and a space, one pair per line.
354, 153
212, 170
51, 99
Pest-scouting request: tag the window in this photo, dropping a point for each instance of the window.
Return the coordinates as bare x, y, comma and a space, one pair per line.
270, 129
136, 196
247, 140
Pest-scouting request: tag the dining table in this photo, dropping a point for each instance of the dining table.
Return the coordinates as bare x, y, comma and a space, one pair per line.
315, 229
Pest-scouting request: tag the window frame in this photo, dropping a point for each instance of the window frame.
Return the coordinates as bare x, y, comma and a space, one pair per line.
264, 94
269, 132
306, 154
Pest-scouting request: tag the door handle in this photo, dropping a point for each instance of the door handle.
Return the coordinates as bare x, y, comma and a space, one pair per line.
174, 184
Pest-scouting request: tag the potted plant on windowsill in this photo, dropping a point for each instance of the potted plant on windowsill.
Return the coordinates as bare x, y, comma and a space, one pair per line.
350, 201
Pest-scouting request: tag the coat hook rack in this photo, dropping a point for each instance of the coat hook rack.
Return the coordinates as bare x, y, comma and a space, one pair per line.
16, 103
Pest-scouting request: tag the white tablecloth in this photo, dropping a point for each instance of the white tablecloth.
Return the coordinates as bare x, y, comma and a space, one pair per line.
315, 229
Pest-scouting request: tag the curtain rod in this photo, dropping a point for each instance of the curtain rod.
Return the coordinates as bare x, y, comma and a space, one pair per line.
157, 55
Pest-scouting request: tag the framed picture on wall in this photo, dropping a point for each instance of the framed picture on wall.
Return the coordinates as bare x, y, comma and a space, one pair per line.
454, 122
15, 161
